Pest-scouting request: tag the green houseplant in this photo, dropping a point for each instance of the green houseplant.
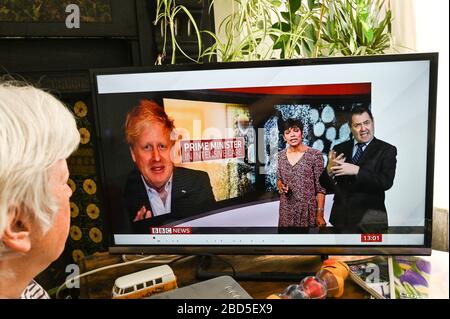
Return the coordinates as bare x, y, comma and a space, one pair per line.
270, 29
245, 28
357, 27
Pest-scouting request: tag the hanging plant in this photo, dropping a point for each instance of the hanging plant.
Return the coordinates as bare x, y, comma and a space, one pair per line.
167, 12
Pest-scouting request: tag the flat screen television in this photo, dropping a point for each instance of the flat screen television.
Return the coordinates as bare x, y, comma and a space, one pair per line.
227, 143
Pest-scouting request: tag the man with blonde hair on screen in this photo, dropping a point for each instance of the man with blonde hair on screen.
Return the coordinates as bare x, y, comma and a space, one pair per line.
156, 191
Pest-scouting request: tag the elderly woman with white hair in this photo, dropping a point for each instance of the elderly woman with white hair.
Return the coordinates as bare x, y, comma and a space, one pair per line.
37, 134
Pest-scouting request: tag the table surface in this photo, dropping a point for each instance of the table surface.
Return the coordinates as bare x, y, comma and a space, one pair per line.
99, 285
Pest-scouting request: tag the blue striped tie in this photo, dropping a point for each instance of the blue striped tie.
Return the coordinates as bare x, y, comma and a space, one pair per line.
358, 153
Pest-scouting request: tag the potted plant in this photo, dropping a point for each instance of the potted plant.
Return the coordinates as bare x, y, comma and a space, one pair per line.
270, 29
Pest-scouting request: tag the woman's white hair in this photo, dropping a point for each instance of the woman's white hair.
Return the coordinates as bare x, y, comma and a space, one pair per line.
36, 130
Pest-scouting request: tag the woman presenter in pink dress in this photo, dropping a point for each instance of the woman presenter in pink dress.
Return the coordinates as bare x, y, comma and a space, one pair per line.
302, 198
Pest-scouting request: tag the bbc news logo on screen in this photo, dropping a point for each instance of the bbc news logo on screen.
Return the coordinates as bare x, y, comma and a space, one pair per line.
212, 149
171, 230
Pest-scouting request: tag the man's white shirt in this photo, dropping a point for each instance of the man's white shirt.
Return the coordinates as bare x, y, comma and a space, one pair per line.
158, 206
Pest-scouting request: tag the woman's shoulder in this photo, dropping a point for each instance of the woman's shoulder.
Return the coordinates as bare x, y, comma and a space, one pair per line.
282, 153
314, 151
315, 155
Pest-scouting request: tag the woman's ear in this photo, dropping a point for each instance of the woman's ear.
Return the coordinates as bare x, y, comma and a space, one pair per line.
17, 233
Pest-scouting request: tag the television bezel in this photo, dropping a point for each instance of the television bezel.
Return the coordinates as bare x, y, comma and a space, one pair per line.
425, 249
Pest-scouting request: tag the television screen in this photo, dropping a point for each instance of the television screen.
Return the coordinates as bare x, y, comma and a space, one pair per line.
318, 156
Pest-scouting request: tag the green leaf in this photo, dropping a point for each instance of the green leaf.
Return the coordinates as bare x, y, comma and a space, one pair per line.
397, 269
311, 4
296, 19
409, 289
281, 42
197, 31
310, 33
306, 49
385, 22
285, 27
276, 3
246, 47
352, 46
331, 49
363, 50
331, 27
273, 37
276, 25
362, 12
369, 35
294, 5
286, 16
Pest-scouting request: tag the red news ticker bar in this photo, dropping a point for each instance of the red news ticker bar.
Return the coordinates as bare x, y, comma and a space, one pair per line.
171, 230
371, 238
309, 90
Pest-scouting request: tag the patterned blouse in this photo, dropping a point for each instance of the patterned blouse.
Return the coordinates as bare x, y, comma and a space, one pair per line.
298, 206
34, 291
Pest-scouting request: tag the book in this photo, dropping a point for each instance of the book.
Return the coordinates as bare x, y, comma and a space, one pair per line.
372, 275
410, 277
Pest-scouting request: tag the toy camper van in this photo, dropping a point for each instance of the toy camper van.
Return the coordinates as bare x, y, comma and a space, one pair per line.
144, 283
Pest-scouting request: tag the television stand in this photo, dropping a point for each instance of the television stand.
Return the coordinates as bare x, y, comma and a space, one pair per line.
207, 268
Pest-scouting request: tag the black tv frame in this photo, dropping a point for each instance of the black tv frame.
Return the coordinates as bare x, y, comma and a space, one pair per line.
296, 250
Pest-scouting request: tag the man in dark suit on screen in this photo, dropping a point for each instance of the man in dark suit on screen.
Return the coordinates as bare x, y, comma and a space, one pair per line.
156, 191
359, 171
